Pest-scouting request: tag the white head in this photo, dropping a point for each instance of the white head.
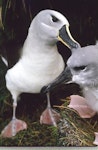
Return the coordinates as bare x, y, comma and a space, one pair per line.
83, 64
47, 26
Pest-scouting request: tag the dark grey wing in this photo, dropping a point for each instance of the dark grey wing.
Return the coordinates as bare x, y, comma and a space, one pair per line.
64, 77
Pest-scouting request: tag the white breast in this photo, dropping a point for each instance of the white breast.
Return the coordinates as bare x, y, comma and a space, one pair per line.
91, 95
30, 74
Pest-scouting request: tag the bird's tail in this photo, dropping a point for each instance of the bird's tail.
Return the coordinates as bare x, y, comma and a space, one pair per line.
4, 60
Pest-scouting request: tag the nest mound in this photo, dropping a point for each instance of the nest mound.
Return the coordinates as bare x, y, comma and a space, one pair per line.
71, 131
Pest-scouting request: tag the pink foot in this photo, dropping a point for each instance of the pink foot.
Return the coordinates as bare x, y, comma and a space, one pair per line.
79, 104
49, 116
96, 139
13, 128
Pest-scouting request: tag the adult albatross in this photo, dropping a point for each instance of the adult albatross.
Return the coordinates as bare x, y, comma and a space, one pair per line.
39, 64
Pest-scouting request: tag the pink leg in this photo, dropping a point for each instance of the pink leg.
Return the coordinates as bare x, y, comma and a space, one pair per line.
96, 139
79, 104
14, 125
49, 116
13, 128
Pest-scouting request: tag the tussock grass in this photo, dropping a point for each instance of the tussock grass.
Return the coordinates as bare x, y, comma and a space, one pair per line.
71, 130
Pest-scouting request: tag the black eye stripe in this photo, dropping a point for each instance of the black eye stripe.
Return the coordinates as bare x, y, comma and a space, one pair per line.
54, 19
79, 68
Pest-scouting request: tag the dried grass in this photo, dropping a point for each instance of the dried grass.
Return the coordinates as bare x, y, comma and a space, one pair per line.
71, 131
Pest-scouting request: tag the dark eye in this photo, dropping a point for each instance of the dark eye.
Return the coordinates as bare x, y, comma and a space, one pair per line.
54, 19
79, 68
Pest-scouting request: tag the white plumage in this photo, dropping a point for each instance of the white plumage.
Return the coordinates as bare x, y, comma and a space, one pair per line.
32, 72
40, 62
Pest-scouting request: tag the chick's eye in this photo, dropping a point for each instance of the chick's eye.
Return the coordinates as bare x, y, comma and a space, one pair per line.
80, 68
54, 19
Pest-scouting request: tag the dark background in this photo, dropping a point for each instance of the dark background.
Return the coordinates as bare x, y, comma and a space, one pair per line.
82, 15
18, 14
